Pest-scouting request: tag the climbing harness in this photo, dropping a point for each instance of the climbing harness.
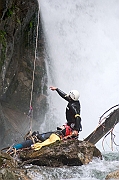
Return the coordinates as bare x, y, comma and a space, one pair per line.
68, 130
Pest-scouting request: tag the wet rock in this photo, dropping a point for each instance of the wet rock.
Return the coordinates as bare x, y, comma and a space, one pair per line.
69, 152
18, 29
6, 160
64, 153
13, 174
113, 175
7, 174
9, 168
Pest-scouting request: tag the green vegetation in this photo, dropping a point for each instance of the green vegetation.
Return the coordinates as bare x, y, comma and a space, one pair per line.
3, 47
18, 21
2, 38
31, 24
10, 11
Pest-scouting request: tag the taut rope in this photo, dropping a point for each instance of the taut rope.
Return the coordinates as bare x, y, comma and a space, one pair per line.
32, 86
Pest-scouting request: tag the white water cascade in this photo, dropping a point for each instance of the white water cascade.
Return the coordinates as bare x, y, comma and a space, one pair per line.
82, 52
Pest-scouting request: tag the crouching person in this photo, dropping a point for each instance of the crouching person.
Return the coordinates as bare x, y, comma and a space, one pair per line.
62, 133
36, 140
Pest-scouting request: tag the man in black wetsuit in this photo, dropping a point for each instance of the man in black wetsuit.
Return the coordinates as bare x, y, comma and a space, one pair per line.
72, 110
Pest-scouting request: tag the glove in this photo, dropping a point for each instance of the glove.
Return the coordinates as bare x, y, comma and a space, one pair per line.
80, 128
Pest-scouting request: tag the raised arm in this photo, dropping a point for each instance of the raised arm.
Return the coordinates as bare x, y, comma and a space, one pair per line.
61, 93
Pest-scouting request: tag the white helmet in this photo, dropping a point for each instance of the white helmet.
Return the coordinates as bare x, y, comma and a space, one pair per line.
74, 94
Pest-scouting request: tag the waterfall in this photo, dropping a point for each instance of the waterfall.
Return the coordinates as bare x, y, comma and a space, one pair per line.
82, 52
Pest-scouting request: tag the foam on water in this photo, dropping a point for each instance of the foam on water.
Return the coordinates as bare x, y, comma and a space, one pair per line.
95, 170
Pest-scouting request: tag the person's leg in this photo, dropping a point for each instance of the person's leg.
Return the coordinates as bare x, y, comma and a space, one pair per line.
53, 138
44, 136
24, 144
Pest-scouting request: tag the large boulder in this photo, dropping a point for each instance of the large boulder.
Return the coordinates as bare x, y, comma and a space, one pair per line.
68, 152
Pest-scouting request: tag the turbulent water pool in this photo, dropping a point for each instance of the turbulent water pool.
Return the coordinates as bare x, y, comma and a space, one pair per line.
95, 170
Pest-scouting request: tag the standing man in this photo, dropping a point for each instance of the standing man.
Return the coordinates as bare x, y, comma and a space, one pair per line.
73, 118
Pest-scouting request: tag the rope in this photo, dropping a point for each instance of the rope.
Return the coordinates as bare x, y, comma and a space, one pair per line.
105, 138
107, 111
112, 139
32, 85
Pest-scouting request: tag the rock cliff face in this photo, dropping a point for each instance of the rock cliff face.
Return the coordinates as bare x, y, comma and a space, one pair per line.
18, 30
